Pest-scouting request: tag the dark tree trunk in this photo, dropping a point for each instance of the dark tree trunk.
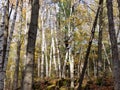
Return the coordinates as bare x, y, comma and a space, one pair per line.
118, 33
28, 71
89, 47
119, 18
114, 47
6, 30
3, 25
99, 62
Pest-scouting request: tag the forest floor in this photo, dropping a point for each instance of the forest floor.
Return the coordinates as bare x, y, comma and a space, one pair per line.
102, 83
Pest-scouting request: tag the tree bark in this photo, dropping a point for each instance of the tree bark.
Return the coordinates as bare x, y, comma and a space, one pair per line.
16, 73
99, 62
28, 71
6, 30
118, 1
114, 47
46, 61
89, 47
42, 47
2, 43
118, 33
10, 36
106, 55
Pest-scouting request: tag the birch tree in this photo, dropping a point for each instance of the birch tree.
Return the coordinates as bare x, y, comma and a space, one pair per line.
7, 17
53, 46
44, 59
28, 70
42, 47
17, 61
10, 35
58, 53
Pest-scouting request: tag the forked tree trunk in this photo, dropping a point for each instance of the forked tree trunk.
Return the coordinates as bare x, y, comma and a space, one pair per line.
17, 61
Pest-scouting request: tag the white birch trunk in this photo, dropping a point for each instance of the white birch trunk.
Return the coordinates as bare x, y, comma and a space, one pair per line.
118, 40
39, 36
50, 62
65, 61
71, 70
95, 69
43, 49
16, 73
57, 49
32, 33
54, 58
46, 61
38, 67
58, 57
107, 57
79, 63
71, 59
27, 78
53, 41
10, 36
